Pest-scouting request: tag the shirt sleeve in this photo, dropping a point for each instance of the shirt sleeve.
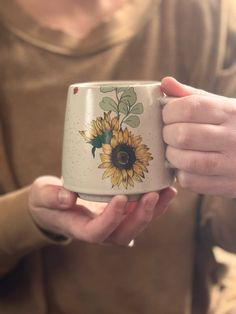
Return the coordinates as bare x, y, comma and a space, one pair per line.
19, 235
225, 83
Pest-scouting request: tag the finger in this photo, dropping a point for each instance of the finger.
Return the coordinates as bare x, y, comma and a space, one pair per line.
171, 87
202, 137
202, 163
165, 197
98, 229
137, 220
51, 196
195, 108
211, 185
79, 224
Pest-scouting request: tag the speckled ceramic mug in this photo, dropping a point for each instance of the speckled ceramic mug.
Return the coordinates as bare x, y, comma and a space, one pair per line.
113, 140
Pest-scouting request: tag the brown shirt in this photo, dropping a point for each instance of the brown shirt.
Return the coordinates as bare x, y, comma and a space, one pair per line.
194, 41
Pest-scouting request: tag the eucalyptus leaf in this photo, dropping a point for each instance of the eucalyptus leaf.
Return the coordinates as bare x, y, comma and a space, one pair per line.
108, 104
121, 89
129, 96
137, 108
123, 107
132, 121
106, 89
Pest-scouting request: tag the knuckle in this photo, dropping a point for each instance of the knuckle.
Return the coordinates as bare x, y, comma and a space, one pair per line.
210, 164
230, 109
206, 165
191, 107
191, 164
183, 138
36, 191
94, 238
146, 217
184, 180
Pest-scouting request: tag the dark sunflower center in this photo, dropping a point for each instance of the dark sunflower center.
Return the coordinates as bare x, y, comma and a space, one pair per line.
123, 156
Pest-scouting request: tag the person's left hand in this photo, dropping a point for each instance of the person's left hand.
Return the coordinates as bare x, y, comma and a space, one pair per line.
58, 212
200, 133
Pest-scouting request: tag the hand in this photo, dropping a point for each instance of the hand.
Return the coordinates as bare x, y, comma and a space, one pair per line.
57, 210
200, 130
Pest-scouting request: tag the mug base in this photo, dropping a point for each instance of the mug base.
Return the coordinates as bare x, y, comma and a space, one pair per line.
106, 198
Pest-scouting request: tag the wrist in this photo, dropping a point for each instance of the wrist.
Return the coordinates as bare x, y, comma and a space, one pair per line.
48, 233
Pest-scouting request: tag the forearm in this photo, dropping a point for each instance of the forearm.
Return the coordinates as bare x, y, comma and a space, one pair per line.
18, 233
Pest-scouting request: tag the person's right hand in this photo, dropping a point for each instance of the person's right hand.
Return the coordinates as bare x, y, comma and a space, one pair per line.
57, 210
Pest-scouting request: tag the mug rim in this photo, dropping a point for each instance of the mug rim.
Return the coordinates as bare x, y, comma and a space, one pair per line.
118, 83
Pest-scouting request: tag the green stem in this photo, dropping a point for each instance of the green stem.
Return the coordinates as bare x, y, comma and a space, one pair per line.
118, 105
124, 119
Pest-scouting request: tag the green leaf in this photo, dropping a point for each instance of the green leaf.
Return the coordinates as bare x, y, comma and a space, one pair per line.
129, 96
137, 108
108, 104
96, 142
121, 89
106, 137
132, 121
123, 107
106, 89
93, 151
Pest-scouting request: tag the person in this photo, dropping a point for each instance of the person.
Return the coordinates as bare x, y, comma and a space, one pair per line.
55, 255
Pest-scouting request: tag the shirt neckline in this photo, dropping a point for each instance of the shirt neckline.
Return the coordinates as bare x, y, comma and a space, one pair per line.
124, 23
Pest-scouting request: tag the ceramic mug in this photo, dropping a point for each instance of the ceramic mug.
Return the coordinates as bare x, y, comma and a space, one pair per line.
113, 140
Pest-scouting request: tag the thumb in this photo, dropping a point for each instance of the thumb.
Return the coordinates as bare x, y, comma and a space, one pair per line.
172, 88
51, 196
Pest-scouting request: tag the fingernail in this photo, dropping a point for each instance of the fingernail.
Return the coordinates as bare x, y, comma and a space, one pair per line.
64, 197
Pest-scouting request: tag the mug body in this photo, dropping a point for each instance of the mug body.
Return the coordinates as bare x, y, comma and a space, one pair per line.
113, 140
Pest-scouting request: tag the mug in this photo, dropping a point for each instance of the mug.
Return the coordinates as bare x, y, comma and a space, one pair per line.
113, 140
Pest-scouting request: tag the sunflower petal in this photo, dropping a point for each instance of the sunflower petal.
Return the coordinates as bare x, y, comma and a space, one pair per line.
120, 136
105, 158
82, 133
114, 141
136, 140
130, 172
107, 149
116, 178
130, 182
115, 124
105, 165
126, 136
124, 174
108, 173
138, 170
141, 166
125, 184
137, 178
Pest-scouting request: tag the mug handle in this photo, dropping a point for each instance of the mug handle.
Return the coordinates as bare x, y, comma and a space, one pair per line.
163, 100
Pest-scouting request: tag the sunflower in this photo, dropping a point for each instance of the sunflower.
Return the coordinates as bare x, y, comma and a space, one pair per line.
100, 131
125, 159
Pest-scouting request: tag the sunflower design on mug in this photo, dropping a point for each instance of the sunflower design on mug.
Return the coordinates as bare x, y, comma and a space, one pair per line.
124, 158
100, 131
